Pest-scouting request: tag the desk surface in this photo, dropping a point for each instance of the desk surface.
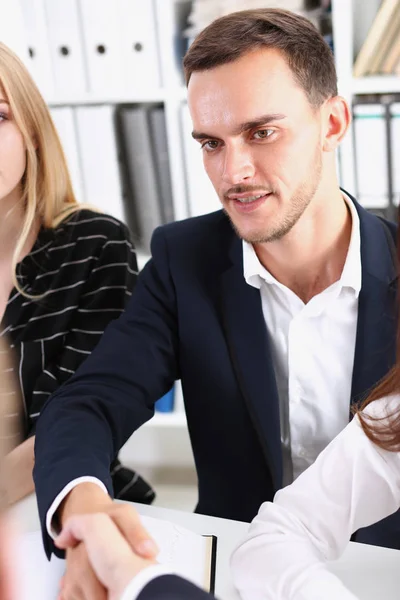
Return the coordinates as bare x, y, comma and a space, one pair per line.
371, 573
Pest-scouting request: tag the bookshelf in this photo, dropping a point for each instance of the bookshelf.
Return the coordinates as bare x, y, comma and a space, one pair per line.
167, 90
351, 21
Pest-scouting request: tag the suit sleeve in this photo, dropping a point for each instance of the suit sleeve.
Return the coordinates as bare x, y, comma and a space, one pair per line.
105, 296
85, 422
171, 587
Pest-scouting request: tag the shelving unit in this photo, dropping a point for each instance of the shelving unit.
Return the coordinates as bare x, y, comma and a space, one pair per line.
349, 22
170, 21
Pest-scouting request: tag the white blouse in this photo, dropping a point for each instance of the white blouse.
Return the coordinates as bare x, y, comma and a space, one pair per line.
311, 521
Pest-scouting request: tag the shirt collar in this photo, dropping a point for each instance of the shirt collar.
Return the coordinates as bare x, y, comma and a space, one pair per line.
254, 272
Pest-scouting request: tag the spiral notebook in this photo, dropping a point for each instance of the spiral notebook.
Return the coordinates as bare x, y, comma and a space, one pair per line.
186, 553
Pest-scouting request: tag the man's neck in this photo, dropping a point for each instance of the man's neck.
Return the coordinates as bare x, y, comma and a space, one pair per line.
312, 255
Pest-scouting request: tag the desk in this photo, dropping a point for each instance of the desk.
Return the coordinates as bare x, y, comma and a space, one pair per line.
228, 533
371, 573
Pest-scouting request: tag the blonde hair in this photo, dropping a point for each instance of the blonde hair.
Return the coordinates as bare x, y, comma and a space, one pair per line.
47, 193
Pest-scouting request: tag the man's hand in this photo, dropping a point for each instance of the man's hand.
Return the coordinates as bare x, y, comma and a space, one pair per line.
111, 557
80, 580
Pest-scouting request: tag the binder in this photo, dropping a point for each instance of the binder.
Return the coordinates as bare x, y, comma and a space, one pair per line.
12, 30
102, 43
38, 58
166, 403
66, 48
64, 121
375, 37
371, 155
99, 159
201, 195
395, 139
139, 45
158, 136
144, 211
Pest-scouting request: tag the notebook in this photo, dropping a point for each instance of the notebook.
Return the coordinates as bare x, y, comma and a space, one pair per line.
186, 553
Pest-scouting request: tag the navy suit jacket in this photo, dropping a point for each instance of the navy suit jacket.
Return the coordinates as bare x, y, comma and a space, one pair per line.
171, 587
193, 317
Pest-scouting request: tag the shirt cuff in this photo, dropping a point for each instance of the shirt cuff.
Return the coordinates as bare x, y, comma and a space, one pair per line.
143, 578
52, 527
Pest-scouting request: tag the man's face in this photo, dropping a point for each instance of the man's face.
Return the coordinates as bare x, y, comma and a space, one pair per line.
261, 142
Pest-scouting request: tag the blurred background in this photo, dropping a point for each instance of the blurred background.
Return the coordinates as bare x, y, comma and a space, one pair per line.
111, 75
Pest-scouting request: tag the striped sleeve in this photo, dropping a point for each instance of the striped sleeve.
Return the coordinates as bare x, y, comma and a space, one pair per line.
103, 298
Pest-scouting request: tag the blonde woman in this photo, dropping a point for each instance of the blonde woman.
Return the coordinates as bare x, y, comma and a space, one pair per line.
66, 271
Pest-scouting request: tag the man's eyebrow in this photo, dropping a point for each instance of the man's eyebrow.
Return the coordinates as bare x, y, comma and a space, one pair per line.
263, 120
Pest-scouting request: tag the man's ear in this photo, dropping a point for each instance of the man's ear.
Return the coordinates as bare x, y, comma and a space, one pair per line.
337, 118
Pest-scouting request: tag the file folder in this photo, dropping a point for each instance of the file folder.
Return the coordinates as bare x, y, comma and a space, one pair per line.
145, 204
395, 135
37, 45
66, 48
159, 141
139, 45
64, 121
371, 155
99, 159
102, 41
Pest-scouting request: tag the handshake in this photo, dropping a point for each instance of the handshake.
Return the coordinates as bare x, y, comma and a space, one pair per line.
101, 562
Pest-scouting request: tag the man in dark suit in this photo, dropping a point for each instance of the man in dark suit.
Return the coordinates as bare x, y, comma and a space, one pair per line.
276, 313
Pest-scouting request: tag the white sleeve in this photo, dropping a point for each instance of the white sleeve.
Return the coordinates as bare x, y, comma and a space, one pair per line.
51, 526
311, 521
139, 582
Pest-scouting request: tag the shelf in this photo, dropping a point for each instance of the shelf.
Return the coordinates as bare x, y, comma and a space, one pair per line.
172, 419
376, 84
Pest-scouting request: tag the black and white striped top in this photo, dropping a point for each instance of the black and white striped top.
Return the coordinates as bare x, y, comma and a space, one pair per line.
84, 271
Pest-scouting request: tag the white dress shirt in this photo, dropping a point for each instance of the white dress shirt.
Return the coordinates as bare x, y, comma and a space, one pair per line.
310, 522
312, 347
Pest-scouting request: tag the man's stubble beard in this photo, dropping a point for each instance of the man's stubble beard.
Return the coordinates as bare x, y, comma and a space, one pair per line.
297, 206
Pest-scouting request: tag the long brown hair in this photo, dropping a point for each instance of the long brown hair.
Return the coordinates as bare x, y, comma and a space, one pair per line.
228, 38
47, 193
384, 430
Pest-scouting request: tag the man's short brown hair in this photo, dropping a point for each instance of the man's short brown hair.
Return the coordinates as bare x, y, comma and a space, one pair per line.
232, 36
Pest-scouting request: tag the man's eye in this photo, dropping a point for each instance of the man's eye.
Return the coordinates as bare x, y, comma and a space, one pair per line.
262, 134
209, 145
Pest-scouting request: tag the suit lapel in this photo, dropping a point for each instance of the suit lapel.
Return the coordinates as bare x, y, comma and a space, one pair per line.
376, 327
248, 344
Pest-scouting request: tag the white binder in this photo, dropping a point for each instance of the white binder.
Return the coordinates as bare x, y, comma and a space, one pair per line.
12, 30
37, 43
102, 41
64, 121
201, 194
139, 52
395, 138
99, 159
66, 48
371, 155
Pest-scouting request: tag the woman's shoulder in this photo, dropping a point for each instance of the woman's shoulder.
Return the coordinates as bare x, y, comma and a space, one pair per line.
85, 223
